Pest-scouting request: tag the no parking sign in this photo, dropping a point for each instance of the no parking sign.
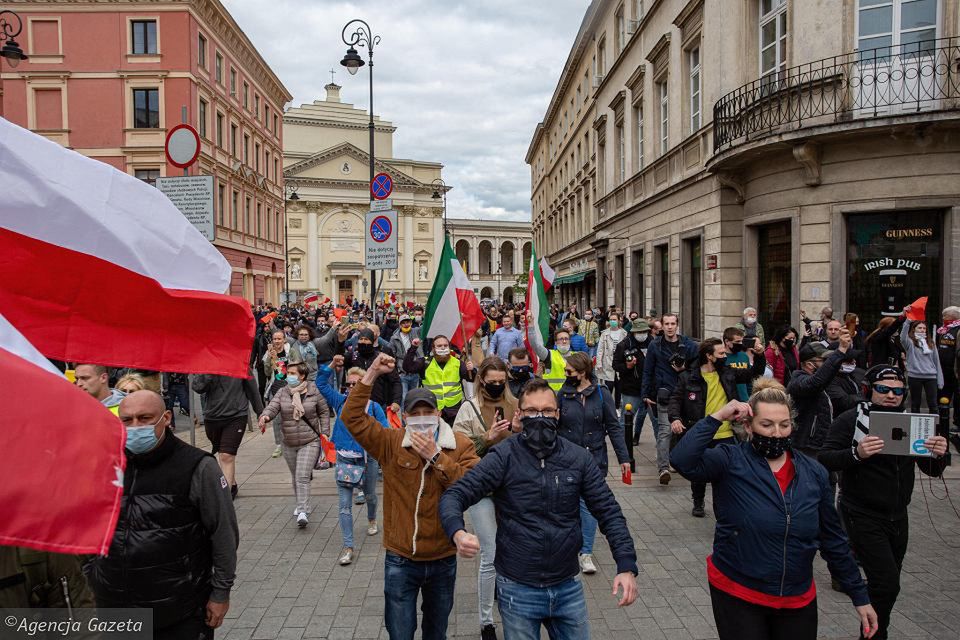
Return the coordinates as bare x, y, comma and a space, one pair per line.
381, 240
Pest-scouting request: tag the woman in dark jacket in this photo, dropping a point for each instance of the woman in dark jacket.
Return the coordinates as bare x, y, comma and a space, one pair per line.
774, 509
587, 416
881, 346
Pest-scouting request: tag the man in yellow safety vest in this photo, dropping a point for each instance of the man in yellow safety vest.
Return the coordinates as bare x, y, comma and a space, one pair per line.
442, 373
553, 361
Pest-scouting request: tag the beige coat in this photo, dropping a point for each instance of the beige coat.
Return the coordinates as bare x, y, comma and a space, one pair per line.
297, 433
476, 426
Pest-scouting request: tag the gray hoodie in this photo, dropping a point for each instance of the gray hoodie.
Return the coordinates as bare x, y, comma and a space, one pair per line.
920, 365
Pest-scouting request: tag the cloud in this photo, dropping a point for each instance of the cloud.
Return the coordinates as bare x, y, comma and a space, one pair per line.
465, 82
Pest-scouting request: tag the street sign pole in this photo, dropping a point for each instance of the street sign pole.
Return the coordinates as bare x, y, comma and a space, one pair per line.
381, 185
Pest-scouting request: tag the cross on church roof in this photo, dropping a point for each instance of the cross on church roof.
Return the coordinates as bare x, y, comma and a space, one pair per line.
332, 72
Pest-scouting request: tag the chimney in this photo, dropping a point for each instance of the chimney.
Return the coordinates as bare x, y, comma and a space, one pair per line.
333, 92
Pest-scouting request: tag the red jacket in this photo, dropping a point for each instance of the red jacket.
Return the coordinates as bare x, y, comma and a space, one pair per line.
776, 362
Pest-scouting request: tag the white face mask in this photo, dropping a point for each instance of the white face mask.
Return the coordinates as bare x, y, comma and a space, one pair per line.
422, 424
847, 368
749, 321
441, 351
920, 335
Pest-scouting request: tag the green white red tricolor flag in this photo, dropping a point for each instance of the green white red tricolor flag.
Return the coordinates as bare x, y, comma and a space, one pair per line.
536, 305
453, 310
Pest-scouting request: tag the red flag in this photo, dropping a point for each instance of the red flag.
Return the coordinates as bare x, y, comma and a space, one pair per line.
61, 475
97, 266
918, 310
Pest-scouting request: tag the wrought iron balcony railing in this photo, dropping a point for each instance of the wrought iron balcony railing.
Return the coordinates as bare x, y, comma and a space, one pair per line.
887, 81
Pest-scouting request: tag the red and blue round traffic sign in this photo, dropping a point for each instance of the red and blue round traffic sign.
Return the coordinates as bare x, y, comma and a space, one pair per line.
381, 229
381, 186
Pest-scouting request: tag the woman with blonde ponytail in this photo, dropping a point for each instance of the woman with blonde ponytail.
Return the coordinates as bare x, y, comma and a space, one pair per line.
774, 510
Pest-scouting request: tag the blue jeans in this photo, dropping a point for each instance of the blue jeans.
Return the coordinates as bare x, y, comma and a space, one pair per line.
639, 413
562, 609
484, 519
403, 579
409, 381
345, 494
588, 527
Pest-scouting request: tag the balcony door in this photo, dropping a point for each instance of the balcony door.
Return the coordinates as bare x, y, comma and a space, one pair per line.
896, 69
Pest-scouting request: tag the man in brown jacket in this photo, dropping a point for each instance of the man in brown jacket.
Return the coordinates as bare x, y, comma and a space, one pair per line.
419, 463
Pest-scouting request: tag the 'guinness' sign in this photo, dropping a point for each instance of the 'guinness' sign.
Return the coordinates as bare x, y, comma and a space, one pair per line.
900, 234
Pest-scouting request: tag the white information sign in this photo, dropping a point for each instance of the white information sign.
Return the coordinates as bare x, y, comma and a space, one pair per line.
381, 205
381, 240
193, 195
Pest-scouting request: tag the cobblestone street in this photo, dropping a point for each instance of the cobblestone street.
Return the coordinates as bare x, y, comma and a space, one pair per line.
289, 584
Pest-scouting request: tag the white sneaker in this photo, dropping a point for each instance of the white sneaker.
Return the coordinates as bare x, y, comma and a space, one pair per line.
302, 520
276, 452
346, 557
372, 529
586, 563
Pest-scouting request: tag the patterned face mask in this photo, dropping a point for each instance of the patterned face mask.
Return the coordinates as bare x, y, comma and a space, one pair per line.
771, 447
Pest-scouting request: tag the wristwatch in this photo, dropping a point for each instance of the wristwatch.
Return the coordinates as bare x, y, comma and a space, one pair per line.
856, 456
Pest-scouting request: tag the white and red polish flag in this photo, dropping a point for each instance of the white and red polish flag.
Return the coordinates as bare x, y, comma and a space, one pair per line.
61, 477
98, 266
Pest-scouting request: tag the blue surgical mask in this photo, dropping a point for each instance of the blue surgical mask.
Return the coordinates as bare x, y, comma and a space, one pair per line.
293, 380
141, 439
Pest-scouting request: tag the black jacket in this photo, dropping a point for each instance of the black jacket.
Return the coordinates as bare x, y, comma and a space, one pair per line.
812, 404
387, 389
587, 417
538, 507
688, 402
881, 485
883, 348
844, 393
631, 378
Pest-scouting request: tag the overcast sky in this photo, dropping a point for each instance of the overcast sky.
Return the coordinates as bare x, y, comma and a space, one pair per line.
465, 82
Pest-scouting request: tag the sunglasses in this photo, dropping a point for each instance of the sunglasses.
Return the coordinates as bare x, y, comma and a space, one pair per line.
884, 389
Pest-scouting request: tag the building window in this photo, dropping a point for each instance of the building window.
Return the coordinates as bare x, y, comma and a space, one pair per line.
201, 51
773, 38
276, 227
775, 266
691, 316
911, 23
219, 68
266, 165
235, 210
621, 153
221, 202
233, 140
256, 156
256, 106
203, 118
276, 174
144, 37
233, 82
661, 269
266, 116
246, 150
146, 108
638, 135
220, 130
275, 124
246, 216
147, 175
664, 98
693, 57
246, 96
601, 58
621, 35
259, 212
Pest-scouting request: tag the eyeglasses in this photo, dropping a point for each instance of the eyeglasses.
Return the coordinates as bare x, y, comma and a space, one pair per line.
563, 341
536, 413
884, 389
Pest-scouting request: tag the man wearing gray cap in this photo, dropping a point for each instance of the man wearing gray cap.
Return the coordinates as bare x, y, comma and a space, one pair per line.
419, 462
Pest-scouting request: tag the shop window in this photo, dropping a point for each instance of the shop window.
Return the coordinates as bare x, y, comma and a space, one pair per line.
691, 315
893, 259
775, 272
661, 289
636, 282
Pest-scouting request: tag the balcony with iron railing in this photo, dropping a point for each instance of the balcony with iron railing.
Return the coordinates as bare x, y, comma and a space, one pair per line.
903, 80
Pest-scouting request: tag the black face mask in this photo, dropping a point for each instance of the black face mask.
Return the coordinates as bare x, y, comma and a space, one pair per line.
540, 435
788, 343
770, 447
737, 347
573, 381
521, 374
494, 389
366, 350
720, 362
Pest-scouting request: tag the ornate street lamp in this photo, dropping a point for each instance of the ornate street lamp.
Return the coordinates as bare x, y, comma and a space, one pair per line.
440, 191
363, 36
8, 31
290, 189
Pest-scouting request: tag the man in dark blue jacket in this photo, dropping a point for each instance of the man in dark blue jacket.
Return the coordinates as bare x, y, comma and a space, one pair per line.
666, 358
537, 480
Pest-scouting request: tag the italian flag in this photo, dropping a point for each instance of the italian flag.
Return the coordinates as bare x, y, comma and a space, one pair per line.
453, 310
536, 305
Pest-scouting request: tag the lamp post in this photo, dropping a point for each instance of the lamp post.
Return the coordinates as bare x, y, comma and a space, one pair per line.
8, 31
364, 37
291, 189
499, 266
440, 191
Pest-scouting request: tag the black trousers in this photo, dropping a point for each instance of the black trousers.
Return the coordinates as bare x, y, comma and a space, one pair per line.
192, 627
879, 546
741, 620
919, 387
698, 490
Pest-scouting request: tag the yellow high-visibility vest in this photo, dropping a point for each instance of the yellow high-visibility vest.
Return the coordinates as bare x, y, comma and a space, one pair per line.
556, 376
444, 382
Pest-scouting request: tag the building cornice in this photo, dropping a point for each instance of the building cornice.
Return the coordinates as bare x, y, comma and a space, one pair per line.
399, 177
333, 124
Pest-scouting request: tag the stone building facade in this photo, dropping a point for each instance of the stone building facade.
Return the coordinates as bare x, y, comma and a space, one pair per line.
775, 153
493, 253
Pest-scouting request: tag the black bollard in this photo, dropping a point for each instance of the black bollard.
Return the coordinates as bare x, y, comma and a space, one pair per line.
943, 428
628, 413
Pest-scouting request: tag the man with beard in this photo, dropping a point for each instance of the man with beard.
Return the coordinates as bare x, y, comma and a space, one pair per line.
875, 488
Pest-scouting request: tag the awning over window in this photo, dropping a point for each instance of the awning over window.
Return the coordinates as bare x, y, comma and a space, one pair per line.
572, 278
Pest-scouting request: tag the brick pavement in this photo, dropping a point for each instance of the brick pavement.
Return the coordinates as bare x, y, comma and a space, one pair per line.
289, 584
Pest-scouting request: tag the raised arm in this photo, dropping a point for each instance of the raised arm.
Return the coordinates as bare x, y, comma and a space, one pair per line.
692, 457
369, 433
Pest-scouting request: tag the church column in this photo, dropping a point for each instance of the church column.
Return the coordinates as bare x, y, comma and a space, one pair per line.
406, 265
314, 279
517, 256
474, 256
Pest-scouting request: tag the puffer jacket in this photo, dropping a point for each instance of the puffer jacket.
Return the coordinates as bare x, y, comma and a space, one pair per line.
316, 416
538, 506
587, 417
766, 539
609, 340
812, 404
